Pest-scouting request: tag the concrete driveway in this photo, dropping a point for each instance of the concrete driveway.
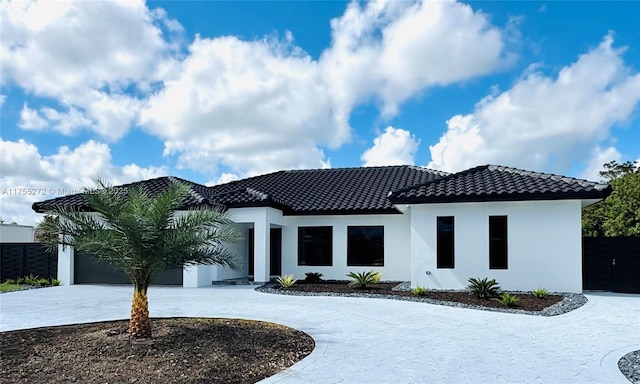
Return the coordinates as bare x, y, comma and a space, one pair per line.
380, 341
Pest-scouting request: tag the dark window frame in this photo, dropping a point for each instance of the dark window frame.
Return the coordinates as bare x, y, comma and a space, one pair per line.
498, 242
352, 252
304, 257
445, 242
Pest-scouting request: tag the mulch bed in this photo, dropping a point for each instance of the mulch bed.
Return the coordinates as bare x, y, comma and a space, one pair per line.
182, 350
526, 301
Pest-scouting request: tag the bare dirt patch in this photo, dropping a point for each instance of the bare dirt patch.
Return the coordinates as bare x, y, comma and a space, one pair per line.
182, 350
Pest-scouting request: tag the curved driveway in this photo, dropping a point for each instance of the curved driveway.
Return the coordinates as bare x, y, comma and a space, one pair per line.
362, 340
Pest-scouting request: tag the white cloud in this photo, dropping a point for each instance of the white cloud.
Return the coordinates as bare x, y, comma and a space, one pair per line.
86, 56
27, 176
223, 179
543, 122
393, 50
393, 147
254, 106
31, 120
599, 157
258, 106
3, 98
67, 123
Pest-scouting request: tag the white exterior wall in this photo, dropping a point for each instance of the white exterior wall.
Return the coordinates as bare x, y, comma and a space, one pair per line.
10, 233
544, 245
66, 260
397, 261
220, 272
262, 219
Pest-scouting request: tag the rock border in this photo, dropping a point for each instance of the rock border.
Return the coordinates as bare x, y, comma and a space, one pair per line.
569, 302
629, 365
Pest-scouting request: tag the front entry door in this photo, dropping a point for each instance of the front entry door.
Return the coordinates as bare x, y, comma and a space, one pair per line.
275, 253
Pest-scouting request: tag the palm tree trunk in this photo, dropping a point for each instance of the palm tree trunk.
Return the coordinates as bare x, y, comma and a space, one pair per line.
139, 323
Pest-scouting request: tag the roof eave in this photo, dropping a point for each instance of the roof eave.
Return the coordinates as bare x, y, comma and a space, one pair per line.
503, 197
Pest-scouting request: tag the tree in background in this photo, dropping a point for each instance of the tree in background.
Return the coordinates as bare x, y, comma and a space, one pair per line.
143, 235
41, 236
618, 214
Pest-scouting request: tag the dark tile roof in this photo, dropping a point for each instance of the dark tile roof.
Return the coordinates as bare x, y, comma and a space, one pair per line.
197, 194
324, 191
368, 189
497, 183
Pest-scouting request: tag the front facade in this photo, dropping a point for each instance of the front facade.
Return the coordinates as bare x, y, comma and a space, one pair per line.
411, 224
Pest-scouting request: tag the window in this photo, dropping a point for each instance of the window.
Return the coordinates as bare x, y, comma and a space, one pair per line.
315, 246
497, 242
365, 246
445, 242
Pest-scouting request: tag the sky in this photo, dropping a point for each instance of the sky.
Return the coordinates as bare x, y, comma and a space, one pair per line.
213, 91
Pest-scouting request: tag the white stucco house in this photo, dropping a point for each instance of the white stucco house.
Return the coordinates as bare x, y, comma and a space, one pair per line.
415, 224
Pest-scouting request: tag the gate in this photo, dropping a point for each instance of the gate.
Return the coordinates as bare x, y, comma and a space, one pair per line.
611, 264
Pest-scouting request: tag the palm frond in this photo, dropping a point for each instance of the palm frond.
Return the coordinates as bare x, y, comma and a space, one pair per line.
143, 234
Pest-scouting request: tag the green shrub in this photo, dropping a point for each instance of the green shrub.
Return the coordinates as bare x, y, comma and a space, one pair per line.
419, 291
43, 282
361, 279
10, 281
20, 281
286, 281
508, 300
32, 280
541, 293
483, 288
313, 277
55, 282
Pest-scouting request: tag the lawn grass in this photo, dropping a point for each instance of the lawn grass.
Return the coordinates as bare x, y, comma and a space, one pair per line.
8, 287
27, 282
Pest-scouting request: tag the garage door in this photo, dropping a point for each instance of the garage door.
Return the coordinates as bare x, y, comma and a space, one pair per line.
87, 270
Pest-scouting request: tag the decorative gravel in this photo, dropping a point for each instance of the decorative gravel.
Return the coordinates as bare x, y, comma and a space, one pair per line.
569, 302
629, 365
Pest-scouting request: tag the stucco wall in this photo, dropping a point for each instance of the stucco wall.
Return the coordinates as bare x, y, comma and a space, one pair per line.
10, 233
544, 245
220, 273
397, 262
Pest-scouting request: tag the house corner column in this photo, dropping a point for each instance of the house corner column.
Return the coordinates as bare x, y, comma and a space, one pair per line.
66, 264
262, 246
195, 276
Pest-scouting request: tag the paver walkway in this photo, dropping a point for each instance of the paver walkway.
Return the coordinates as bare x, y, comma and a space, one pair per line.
380, 341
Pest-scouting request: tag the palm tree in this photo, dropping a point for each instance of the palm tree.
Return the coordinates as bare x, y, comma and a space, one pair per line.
142, 235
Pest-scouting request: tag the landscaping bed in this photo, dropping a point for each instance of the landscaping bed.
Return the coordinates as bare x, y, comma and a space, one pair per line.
553, 304
184, 350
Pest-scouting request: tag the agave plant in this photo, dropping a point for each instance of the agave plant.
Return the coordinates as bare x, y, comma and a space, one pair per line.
541, 293
508, 300
483, 288
361, 279
286, 281
419, 291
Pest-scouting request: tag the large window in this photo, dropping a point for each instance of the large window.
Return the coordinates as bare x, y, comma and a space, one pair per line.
498, 242
365, 246
445, 241
315, 246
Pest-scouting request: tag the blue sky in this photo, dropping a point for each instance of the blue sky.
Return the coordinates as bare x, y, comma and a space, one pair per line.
213, 91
